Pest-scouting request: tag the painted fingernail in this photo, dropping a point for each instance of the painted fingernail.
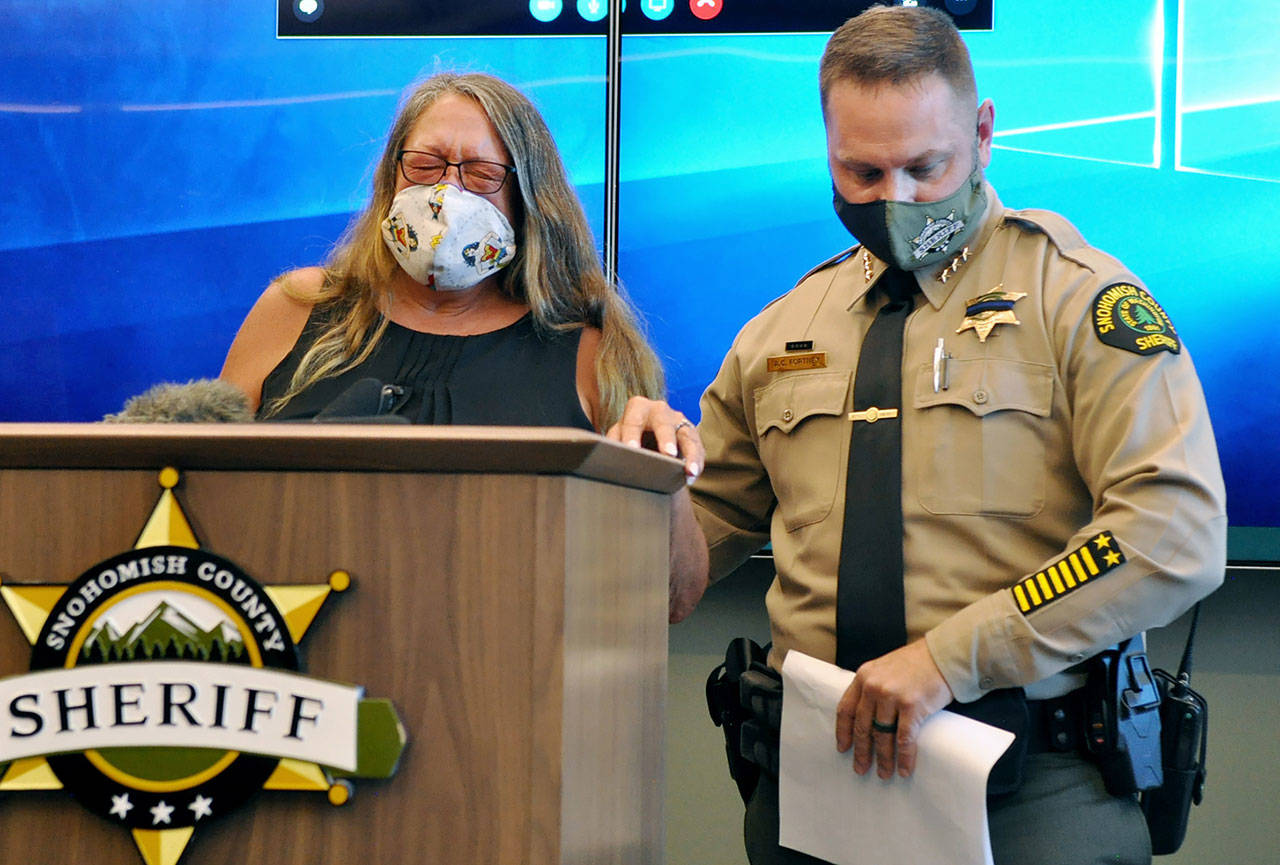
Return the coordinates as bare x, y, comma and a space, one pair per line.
670, 449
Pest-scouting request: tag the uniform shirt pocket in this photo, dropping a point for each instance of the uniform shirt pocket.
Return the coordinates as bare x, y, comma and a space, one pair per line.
982, 440
802, 437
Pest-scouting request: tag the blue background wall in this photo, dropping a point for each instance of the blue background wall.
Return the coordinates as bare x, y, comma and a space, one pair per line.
161, 163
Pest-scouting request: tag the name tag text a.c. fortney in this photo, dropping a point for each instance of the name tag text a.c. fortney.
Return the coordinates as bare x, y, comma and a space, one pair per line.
789, 362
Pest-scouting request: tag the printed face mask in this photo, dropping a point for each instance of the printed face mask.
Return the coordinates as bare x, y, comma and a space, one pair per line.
447, 238
912, 235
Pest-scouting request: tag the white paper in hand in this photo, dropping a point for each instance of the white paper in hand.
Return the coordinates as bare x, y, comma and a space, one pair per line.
938, 816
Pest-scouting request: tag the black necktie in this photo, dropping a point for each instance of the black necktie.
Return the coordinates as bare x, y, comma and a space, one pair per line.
870, 614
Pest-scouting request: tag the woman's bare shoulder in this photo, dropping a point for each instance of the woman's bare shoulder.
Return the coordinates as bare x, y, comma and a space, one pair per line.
302, 286
270, 330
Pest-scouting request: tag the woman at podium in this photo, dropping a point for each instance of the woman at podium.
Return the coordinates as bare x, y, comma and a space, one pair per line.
467, 291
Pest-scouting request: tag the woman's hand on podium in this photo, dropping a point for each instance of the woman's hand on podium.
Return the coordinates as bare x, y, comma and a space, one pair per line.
656, 425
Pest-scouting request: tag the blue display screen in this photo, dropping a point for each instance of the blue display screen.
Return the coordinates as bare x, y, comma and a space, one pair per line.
162, 162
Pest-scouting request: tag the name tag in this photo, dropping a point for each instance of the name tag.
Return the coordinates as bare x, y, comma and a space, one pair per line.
790, 362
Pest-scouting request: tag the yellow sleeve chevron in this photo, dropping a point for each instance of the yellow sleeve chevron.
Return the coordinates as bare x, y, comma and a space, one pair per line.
1095, 558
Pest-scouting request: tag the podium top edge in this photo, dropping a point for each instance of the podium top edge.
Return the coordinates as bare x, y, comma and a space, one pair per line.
337, 447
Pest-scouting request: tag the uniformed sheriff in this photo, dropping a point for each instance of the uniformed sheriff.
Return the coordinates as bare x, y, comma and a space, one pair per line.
1060, 489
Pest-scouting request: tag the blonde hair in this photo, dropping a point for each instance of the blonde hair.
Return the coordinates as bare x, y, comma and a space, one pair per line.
555, 271
897, 45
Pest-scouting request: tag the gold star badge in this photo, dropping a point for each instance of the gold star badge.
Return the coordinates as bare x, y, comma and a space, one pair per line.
984, 312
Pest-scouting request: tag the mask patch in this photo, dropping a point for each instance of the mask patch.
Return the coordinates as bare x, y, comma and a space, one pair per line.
1095, 558
1126, 316
936, 236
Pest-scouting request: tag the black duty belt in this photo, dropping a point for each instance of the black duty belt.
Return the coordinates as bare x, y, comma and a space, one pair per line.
744, 696
1057, 724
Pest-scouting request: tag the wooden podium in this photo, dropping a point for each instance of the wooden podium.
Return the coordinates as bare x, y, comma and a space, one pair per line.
509, 595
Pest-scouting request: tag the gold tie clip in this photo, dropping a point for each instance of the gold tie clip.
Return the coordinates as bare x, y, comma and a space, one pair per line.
873, 414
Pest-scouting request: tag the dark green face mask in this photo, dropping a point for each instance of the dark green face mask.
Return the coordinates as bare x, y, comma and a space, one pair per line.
911, 235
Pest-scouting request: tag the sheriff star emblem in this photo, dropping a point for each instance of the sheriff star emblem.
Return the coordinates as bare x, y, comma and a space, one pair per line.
985, 311
165, 689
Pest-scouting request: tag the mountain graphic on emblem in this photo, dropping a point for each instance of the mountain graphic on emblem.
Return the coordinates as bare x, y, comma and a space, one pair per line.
166, 633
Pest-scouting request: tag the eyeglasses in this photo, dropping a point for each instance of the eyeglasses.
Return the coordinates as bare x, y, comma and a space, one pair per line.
476, 175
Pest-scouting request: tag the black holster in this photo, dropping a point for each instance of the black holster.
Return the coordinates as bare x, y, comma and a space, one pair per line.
1122, 714
744, 697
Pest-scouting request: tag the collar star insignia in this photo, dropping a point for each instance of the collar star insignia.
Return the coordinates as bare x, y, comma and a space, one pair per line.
984, 312
948, 270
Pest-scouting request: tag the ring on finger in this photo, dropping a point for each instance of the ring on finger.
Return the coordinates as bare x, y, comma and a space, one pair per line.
683, 423
879, 727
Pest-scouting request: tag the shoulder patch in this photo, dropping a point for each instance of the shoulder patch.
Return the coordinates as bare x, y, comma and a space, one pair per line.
1095, 558
1126, 316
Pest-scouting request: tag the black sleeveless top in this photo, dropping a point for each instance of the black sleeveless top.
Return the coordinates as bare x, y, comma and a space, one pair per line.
514, 376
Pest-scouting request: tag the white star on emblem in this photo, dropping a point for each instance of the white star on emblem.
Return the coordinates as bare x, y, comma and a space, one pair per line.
120, 805
200, 806
160, 813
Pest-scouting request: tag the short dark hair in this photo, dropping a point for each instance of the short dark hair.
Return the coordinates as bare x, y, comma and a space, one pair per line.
897, 45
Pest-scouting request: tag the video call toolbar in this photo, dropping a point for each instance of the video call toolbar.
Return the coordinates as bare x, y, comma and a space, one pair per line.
588, 17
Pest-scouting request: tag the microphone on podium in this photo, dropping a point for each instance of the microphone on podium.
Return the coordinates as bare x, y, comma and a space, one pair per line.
200, 401
366, 401
216, 401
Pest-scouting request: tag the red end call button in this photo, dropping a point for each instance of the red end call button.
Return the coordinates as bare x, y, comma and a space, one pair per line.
706, 9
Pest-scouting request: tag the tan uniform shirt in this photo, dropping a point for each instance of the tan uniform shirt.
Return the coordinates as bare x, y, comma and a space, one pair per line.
1059, 494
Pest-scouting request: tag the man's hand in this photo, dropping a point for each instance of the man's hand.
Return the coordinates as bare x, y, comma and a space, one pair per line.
884, 708
671, 432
